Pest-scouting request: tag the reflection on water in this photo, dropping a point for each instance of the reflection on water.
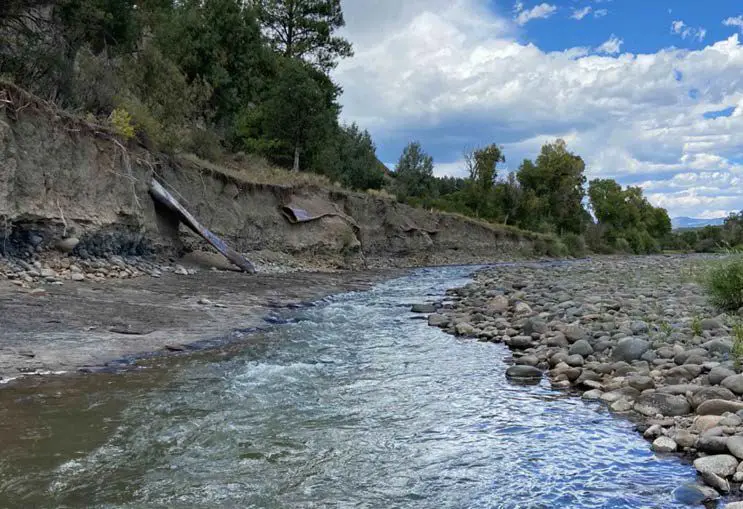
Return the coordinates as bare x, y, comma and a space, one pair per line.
350, 404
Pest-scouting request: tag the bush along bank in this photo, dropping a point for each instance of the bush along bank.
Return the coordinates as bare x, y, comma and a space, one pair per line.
636, 333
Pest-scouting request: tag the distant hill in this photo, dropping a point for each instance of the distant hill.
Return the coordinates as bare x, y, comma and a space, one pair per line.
692, 222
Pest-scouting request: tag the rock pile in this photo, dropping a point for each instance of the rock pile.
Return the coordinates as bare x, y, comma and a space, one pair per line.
634, 333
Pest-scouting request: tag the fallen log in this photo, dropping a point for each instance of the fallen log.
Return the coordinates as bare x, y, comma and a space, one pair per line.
162, 196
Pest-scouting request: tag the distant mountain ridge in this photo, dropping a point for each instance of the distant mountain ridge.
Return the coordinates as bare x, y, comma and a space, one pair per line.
693, 222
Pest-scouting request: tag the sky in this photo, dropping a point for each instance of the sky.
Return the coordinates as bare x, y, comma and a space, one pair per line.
648, 92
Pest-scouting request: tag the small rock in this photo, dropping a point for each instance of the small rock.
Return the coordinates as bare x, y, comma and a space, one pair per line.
534, 326
437, 320
48, 273
423, 308
205, 302
685, 439
653, 403
68, 245
694, 494
716, 482
181, 270
593, 394
498, 304
77, 276
574, 333
521, 371
734, 505
622, 405
664, 444
575, 361
639, 327
464, 329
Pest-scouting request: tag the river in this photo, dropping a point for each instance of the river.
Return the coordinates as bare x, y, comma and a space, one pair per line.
350, 403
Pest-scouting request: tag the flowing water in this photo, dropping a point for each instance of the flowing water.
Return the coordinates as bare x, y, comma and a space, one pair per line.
352, 403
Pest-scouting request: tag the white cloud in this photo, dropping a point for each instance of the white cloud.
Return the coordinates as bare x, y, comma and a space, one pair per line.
579, 14
611, 46
541, 11
453, 74
680, 28
600, 13
736, 21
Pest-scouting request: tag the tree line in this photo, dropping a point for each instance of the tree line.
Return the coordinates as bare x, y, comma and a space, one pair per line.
547, 195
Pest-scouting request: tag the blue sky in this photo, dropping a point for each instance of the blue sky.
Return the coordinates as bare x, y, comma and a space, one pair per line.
647, 92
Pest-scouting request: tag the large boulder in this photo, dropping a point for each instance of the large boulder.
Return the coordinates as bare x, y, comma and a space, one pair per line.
581, 347
735, 446
718, 374
574, 333
734, 383
708, 393
718, 407
630, 349
534, 326
653, 403
498, 304
722, 465
664, 444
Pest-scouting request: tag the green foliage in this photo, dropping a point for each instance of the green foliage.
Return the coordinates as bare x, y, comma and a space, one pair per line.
303, 29
414, 172
723, 281
629, 222
350, 158
482, 166
737, 351
293, 117
121, 121
696, 325
556, 183
710, 238
575, 244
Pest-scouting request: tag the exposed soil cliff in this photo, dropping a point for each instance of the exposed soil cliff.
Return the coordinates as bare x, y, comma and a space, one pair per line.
60, 177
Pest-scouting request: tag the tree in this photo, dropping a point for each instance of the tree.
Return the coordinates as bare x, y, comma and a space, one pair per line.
350, 158
557, 181
482, 165
292, 117
414, 171
218, 42
625, 216
304, 29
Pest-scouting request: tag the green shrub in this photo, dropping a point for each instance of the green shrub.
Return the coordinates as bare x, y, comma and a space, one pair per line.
575, 244
724, 282
622, 245
737, 345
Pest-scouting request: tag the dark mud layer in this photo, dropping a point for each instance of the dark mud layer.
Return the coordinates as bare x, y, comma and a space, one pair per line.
89, 327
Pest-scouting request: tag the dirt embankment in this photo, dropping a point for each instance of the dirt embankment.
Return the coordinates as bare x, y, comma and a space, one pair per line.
60, 177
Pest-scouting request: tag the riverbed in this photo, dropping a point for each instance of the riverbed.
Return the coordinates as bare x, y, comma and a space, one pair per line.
350, 402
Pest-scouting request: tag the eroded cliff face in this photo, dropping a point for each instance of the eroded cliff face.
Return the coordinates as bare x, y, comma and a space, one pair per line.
61, 178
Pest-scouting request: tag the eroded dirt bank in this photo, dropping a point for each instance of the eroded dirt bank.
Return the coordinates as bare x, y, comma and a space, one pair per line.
636, 333
90, 326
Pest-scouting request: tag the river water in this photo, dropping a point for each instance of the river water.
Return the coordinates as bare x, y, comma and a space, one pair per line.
352, 403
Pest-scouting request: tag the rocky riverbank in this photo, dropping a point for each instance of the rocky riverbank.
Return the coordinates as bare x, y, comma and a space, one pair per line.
635, 333
61, 313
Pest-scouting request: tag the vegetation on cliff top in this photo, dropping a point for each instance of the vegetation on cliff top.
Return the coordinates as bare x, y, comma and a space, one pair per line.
212, 77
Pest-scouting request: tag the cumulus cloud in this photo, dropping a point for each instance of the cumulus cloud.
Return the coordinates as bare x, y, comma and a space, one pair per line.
579, 14
453, 74
611, 46
600, 13
541, 11
680, 28
736, 21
